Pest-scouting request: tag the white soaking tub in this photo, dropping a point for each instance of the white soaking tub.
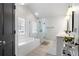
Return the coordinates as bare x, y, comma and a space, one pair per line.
25, 47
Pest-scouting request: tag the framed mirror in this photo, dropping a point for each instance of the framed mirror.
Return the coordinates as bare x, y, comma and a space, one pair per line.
70, 22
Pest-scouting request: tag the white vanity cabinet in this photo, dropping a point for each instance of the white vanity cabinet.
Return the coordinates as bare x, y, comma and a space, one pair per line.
60, 44
65, 46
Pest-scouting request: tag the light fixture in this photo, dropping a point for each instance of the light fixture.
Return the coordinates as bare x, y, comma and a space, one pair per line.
74, 8
36, 14
69, 12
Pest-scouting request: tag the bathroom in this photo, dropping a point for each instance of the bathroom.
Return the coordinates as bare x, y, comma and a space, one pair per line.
40, 25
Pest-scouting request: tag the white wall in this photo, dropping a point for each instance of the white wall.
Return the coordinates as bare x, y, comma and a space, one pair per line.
23, 12
57, 25
76, 30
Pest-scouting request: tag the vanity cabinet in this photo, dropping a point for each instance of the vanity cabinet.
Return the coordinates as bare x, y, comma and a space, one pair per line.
60, 45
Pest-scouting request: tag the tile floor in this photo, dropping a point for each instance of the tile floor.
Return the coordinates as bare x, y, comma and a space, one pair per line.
41, 50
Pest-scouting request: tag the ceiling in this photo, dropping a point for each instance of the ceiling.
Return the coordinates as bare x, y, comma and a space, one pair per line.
48, 9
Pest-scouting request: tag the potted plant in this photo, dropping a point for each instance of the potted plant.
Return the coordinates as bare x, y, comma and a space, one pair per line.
68, 38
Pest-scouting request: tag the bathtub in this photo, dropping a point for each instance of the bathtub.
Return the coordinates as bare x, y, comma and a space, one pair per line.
27, 46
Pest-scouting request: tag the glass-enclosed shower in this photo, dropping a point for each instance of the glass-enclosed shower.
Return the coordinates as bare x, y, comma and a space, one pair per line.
42, 29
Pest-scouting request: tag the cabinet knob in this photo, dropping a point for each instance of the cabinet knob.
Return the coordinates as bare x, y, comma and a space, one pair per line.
4, 42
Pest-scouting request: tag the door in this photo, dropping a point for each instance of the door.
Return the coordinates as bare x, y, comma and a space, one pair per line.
8, 39
8, 30
1, 31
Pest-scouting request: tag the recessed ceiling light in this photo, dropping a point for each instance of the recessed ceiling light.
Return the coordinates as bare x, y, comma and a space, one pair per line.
36, 14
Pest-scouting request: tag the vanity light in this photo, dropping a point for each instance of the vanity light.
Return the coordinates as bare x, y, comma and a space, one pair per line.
74, 8
69, 12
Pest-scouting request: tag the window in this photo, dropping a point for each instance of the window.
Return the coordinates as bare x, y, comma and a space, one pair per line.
21, 29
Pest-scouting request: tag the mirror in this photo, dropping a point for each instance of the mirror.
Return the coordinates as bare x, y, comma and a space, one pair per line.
70, 22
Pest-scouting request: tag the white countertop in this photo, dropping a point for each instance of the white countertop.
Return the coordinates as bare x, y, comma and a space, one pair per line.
63, 34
